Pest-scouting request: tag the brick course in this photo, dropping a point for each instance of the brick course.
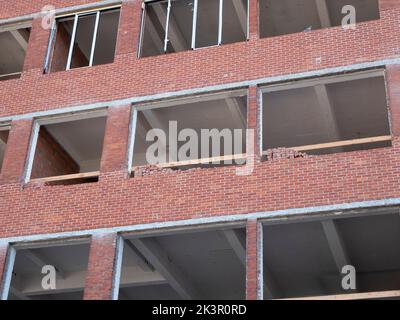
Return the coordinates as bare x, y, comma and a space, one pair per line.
169, 196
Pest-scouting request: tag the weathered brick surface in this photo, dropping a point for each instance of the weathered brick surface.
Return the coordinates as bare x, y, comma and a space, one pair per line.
50, 158
251, 260
16, 152
114, 157
99, 276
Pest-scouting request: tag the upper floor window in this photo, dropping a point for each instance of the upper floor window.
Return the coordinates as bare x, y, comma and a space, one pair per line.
279, 17
13, 45
178, 25
83, 40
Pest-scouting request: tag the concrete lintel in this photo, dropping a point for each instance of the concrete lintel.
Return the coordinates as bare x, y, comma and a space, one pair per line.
278, 216
208, 89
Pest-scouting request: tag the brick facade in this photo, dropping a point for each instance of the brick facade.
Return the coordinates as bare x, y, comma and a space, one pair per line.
99, 276
117, 200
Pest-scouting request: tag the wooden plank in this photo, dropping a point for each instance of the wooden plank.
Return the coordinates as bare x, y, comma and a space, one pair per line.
354, 296
339, 144
10, 74
67, 177
198, 161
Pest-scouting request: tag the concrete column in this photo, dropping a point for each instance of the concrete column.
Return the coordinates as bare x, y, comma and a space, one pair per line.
253, 269
393, 90
254, 20
16, 151
129, 28
99, 278
114, 157
37, 47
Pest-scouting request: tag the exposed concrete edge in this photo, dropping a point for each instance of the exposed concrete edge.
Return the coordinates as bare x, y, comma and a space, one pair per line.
60, 11
337, 210
207, 89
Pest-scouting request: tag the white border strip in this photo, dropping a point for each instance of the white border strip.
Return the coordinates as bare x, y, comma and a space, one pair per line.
159, 226
207, 89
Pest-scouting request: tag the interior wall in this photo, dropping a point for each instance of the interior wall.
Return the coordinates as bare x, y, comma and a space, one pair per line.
50, 158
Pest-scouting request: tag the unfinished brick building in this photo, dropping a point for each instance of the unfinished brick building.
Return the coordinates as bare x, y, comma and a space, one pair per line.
79, 93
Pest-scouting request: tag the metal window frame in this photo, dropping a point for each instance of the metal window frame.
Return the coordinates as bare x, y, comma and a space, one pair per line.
73, 37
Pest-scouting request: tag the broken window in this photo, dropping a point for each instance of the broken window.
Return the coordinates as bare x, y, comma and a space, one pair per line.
327, 115
184, 133
68, 150
312, 258
197, 264
4, 131
13, 45
53, 271
82, 40
279, 17
178, 25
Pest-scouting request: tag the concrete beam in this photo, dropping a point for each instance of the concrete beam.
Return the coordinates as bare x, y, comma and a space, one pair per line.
336, 244
157, 256
323, 13
140, 260
241, 10
41, 261
327, 112
155, 37
20, 39
236, 111
131, 277
175, 35
238, 243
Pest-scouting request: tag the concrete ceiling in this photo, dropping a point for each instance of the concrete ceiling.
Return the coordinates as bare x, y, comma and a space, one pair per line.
211, 114
299, 260
288, 16
82, 139
297, 117
205, 259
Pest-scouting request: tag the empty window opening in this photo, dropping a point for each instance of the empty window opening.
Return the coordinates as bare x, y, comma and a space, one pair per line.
51, 272
83, 40
193, 132
69, 150
13, 46
202, 264
327, 115
280, 17
178, 25
305, 259
4, 132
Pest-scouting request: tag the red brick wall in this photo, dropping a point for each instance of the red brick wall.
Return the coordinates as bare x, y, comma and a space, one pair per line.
251, 260
114, 156
129, 77
99, 276
50, 158
388, 4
